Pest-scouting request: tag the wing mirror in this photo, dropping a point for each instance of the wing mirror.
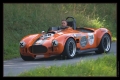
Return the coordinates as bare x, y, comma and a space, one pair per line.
43, 32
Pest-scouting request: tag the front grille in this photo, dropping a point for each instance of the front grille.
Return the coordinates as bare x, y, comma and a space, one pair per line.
38, 49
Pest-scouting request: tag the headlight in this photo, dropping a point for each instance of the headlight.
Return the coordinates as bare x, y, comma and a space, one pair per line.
22, 44
54, 42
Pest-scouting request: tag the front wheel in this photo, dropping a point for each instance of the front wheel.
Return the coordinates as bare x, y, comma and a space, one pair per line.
105, 44
69, 49
26, 58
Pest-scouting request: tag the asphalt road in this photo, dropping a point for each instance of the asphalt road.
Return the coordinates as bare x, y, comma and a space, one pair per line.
16, 66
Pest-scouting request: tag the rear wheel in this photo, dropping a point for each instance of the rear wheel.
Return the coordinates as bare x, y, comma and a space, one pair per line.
69, 49
105, 44
26, 58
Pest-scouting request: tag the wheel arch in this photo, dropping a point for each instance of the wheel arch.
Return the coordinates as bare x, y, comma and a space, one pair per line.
100, 33
62, 41
68, 38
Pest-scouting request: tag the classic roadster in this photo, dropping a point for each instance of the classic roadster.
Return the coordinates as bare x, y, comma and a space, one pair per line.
67, 42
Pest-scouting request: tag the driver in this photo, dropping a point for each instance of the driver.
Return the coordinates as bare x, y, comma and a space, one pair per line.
64, 24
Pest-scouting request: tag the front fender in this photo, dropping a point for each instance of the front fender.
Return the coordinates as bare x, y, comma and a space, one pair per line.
30, 38
62, 40
100, 32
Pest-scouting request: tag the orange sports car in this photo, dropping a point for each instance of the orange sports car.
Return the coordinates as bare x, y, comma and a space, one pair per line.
67, 41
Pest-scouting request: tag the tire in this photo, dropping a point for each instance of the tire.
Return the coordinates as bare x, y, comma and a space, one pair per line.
69, 49
27, 58
105, 44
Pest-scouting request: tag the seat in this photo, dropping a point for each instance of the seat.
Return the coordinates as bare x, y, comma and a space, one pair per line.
70, 23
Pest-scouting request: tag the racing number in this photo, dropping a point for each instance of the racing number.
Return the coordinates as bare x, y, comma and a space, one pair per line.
90, 38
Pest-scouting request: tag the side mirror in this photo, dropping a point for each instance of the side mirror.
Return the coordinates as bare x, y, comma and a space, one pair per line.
43, 32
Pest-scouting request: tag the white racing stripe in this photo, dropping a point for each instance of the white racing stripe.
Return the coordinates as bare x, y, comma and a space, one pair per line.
40, 42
